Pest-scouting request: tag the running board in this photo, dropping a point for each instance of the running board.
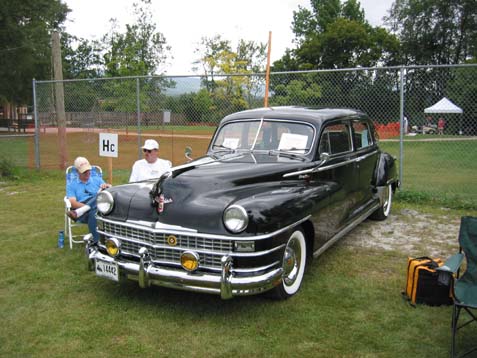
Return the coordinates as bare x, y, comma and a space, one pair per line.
346, 230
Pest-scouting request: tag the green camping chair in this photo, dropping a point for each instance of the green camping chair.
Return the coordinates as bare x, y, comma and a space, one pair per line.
465, 286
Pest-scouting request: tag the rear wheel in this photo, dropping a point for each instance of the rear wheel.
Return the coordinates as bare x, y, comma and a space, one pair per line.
384, 210
293, 263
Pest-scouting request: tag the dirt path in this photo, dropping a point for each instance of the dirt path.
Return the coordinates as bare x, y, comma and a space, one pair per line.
411, 232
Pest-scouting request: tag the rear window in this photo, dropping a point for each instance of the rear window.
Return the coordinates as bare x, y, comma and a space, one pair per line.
362, 135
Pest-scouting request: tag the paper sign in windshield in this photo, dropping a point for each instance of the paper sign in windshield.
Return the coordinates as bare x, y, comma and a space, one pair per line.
293, 142
231, 143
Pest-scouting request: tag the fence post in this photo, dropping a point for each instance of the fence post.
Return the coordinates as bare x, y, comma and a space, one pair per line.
401, 124
138, 109
37, 128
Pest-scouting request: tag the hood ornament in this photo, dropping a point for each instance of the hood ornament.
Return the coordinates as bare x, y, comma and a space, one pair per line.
156, 195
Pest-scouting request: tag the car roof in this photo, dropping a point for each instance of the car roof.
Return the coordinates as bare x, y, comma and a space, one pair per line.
307, 114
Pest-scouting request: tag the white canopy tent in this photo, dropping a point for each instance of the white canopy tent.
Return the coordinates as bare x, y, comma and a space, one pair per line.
444, 106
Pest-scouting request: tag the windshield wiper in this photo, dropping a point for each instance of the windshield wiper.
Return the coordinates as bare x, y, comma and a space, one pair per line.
288, 153
222, 148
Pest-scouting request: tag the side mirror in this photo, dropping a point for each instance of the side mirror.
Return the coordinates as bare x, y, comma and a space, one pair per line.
187, 153
324, 157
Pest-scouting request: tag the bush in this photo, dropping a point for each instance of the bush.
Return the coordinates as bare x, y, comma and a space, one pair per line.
7, 169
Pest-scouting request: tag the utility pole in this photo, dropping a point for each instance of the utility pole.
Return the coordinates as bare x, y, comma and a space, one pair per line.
267, 74
59, 98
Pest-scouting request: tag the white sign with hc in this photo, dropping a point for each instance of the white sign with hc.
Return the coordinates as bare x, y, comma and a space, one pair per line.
108, 145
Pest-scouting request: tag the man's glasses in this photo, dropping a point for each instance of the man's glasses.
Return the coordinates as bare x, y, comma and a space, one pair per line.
148, 150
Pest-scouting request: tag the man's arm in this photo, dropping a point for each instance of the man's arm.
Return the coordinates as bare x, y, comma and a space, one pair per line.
75, 204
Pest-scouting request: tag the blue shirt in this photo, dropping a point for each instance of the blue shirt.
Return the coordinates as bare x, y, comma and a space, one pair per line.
83, 191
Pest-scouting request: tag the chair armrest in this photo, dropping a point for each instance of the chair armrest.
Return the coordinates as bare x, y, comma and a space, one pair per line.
452, 264
67, 203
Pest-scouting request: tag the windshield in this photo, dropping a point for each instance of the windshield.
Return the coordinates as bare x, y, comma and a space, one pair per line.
265, 135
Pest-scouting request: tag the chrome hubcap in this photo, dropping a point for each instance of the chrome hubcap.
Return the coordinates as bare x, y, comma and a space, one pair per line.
387, 200
291, 262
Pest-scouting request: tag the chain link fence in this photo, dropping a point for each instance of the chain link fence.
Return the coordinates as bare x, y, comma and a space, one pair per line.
437, 151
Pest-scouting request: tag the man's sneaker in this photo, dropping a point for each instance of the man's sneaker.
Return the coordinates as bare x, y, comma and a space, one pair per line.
72, 214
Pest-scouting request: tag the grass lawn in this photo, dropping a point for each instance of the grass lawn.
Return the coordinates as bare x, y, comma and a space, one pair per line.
442, 168
50, 306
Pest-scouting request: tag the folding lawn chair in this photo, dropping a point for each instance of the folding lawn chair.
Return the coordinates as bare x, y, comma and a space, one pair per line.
465, 287
72, 174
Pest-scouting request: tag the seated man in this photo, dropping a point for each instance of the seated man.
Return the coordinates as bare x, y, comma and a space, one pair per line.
82, 195
151, 166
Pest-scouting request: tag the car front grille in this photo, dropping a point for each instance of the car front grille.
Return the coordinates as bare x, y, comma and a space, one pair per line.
132, 239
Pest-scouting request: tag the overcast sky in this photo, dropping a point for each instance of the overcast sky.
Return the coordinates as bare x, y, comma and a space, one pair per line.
184, 23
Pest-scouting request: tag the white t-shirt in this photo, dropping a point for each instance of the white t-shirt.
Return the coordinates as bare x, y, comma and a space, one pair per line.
142, 170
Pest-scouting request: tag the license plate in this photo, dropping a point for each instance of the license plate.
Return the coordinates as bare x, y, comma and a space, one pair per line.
107, 270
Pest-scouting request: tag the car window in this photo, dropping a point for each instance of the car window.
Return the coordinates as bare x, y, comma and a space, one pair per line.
361, 135
237, 135
335, 139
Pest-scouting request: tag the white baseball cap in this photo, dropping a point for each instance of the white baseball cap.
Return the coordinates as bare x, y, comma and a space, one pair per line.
82, 165
150, 144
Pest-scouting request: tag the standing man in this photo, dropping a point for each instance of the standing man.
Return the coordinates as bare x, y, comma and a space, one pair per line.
441, 123
151, 166
81, 192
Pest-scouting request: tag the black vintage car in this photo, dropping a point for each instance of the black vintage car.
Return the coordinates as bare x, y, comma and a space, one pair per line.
277, 187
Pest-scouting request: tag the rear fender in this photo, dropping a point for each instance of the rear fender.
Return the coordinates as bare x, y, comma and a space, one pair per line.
386, 171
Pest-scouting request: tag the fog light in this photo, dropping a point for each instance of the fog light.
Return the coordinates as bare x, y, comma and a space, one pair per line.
112, 246
190, 260
245, 246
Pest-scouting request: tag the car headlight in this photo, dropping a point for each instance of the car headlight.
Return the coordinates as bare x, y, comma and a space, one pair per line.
235, 218
104, 202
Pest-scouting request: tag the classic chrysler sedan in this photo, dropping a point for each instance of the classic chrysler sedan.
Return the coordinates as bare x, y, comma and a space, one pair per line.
277, 187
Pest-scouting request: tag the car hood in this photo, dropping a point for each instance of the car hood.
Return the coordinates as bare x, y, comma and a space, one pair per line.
196, 195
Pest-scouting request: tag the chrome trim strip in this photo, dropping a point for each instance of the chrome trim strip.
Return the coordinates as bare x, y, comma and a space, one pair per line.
300, 172
209, 236
345, 230
337, 165
320, 169
360, 158
261, 268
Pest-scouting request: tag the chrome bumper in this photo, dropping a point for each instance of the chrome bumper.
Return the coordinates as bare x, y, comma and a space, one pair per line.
225, 284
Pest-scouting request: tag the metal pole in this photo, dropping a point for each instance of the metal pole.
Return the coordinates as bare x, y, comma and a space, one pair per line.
401, 120
37, 128
138, 109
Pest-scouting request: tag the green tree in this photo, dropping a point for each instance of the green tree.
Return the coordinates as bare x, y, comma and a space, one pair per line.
25, 52
335, 35
82, 58
139, 51
211, 52
435, 31
297, 92
226, 72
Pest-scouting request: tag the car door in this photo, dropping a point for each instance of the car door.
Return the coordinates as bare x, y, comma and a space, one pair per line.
338, 173
366, 154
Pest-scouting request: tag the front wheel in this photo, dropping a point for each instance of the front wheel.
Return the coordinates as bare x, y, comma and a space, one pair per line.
293, 263
384, 210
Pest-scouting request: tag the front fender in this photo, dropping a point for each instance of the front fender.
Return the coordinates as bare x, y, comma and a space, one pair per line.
386, 171
272, 210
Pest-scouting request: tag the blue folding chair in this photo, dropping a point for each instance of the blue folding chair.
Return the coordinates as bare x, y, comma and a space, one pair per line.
465, 286
72, 174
